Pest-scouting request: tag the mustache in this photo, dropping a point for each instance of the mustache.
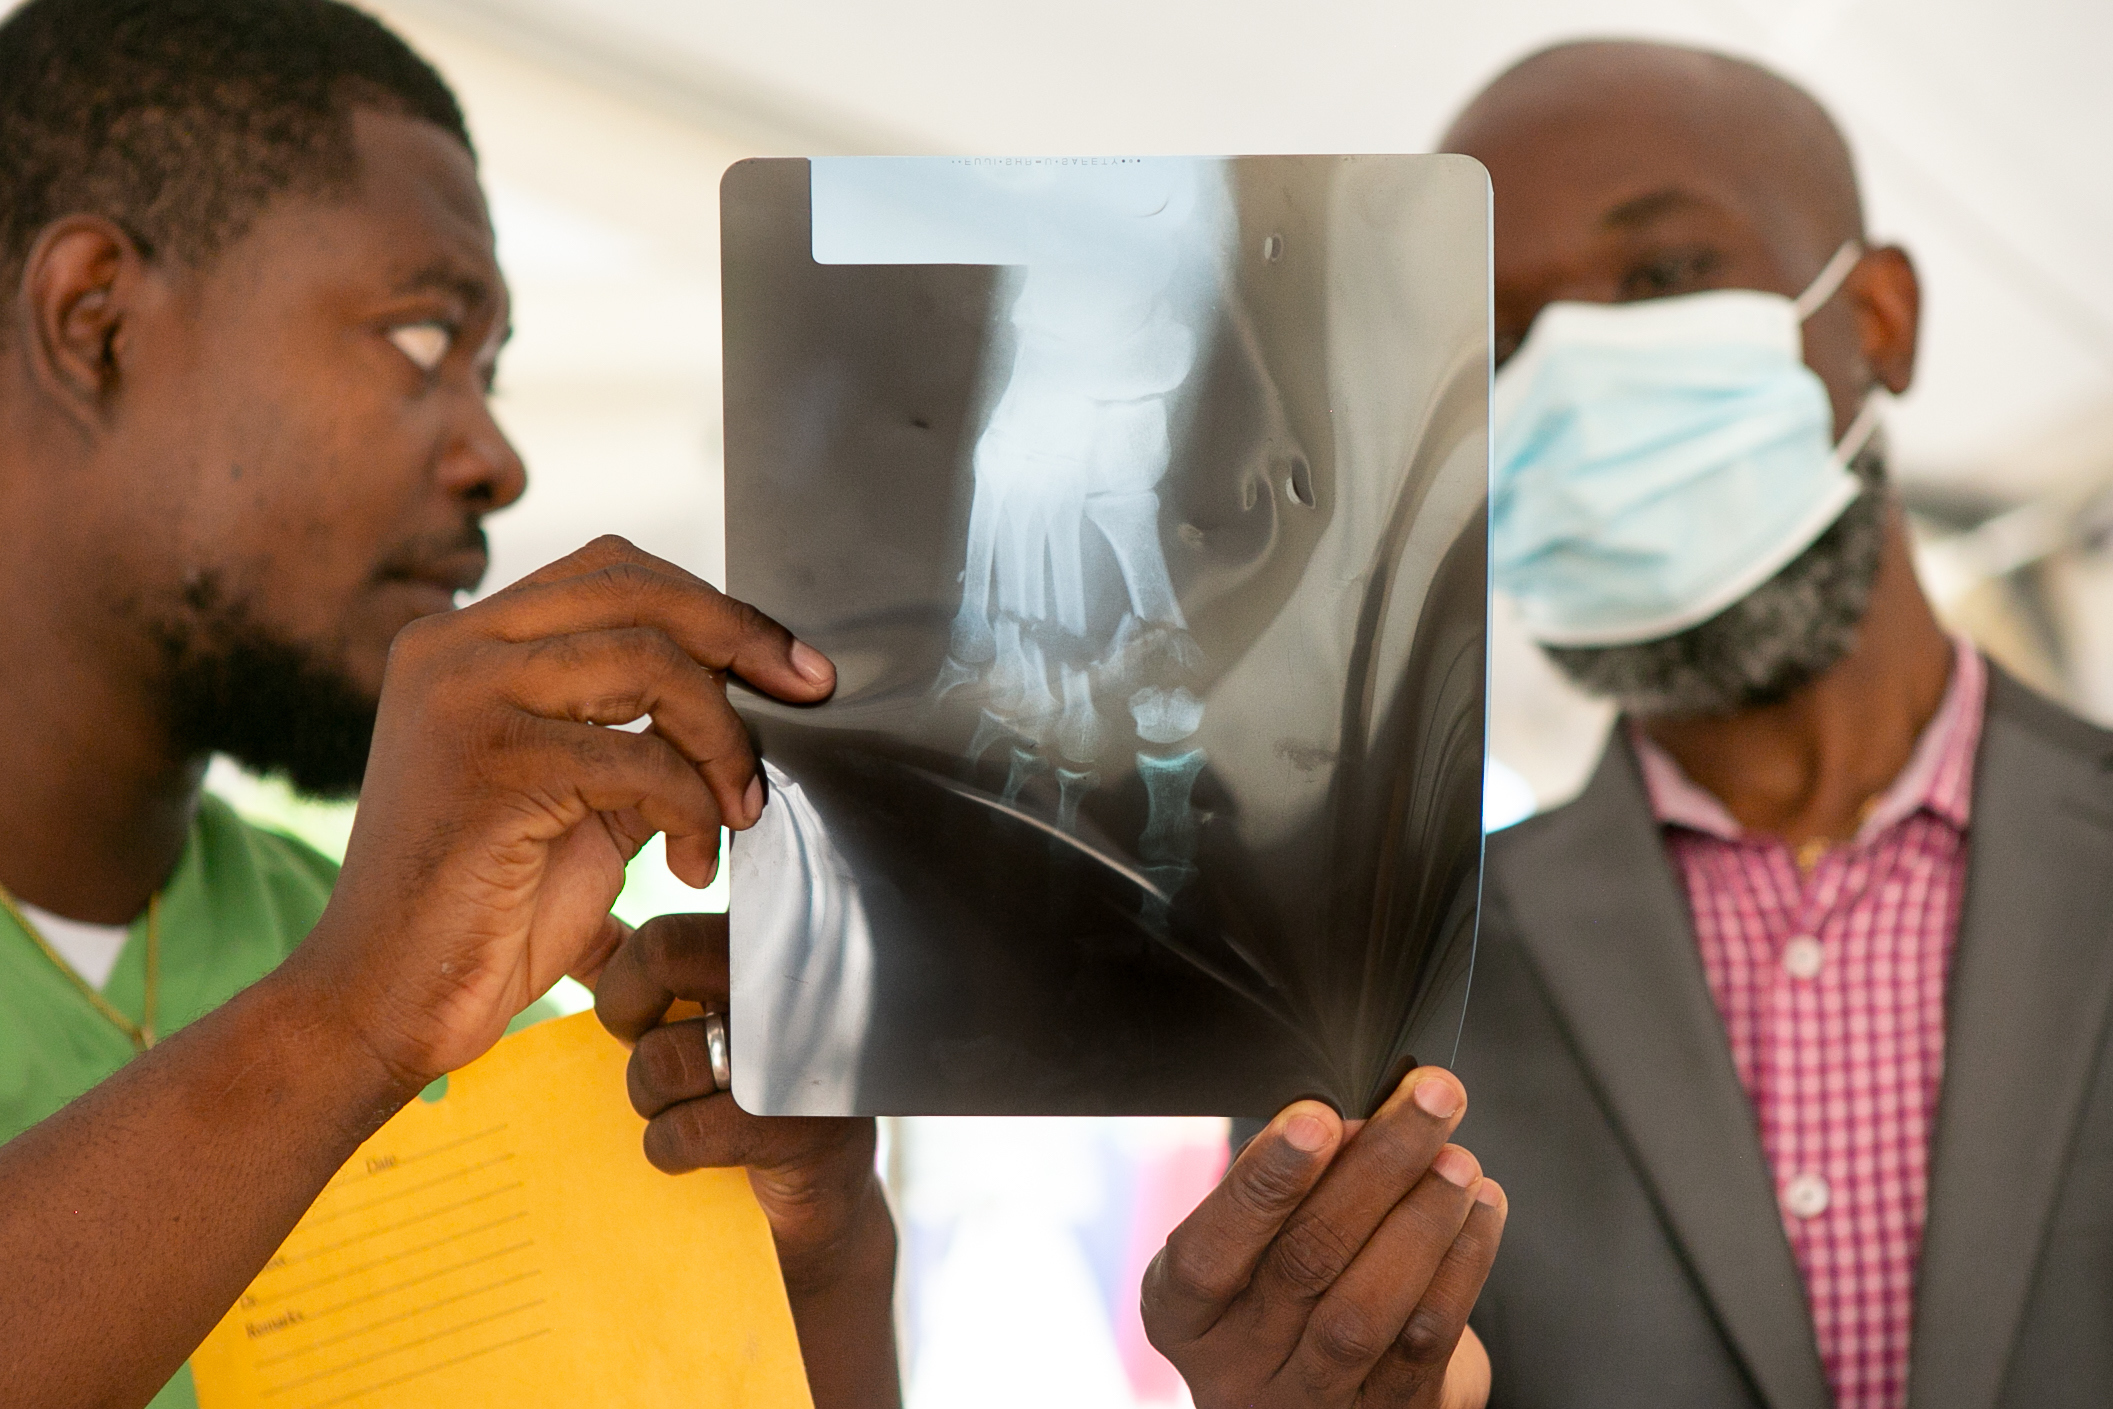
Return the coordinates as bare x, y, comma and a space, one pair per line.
420, 556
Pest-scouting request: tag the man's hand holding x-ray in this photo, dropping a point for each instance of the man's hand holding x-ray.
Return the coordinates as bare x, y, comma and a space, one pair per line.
1336, 1264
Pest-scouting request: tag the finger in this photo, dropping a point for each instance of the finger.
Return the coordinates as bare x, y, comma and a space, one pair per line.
572, 769
1209, 1259
634, 588
1373, 1173
1426, 1344
598, 553
1364, 1311
671, 957
671, 1064
714, 1133
607, 676
612, 677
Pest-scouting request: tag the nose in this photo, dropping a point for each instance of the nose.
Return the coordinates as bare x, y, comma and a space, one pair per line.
480, 466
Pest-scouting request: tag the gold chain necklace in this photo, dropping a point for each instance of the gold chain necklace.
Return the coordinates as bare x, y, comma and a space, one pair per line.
141, 1033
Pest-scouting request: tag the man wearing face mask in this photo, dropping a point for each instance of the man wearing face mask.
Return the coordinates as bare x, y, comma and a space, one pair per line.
1789, 1035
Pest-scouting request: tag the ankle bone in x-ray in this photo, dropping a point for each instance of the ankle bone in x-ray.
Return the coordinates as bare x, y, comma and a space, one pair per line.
1113, 312
1055, 461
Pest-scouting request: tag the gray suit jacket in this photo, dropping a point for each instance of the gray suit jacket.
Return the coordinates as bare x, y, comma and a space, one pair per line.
1644, 1262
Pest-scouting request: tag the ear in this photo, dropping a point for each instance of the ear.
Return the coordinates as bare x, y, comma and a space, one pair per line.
80, 286
1888, 315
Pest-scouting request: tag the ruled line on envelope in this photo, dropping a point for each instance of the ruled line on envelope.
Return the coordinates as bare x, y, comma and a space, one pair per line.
489, 1247
363, 1173
402, 1348
261, 1299
351, 1395
420, 1278
315, 1221
282, 1264
364, 1328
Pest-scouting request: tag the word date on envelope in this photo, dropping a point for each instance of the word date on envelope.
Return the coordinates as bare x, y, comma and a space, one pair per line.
508, 1244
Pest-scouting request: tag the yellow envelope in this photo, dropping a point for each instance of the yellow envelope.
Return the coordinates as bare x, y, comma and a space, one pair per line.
507, 1245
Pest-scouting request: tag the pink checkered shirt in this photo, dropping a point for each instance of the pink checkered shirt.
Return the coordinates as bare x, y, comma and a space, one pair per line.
1831, 986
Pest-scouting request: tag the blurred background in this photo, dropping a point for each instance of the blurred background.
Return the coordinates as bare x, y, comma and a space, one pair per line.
604, 127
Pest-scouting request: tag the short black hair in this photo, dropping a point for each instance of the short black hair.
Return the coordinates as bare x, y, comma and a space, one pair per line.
181, 120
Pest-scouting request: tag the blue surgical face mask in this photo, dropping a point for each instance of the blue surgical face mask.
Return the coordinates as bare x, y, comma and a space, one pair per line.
1651, 463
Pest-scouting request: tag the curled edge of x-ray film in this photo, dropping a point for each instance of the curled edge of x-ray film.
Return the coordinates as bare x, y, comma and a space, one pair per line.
1141, 503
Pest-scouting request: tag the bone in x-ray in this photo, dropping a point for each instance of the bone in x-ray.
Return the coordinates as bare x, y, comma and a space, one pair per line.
1140, 504
1117, 263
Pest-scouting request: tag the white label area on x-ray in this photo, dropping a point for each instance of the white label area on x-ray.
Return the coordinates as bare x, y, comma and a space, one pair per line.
1111, 312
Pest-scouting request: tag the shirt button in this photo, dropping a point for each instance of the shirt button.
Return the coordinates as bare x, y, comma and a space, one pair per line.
1803, 957
1807, 1196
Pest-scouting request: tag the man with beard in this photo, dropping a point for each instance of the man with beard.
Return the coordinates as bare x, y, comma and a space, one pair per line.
249, 313
1790, 1033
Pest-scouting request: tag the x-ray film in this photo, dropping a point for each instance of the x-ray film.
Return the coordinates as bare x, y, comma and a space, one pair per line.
1141, 504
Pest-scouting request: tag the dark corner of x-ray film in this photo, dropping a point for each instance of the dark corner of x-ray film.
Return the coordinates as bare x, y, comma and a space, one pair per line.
1141, 503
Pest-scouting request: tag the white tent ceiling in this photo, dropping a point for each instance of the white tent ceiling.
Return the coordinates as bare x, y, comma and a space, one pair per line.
604, 125
1981, 130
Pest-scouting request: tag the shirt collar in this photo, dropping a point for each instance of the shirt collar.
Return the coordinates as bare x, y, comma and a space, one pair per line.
1939, 775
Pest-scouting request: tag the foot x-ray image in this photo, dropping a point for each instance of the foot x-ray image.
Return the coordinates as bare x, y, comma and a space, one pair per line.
1141, 503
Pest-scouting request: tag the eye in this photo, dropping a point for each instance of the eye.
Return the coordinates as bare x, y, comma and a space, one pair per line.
426, 344
1672, 272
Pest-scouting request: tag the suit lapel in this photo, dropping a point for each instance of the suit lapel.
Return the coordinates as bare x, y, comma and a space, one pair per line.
1602, 917
2028, 996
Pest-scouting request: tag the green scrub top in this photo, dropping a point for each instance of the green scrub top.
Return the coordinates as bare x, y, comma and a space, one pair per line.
238, 902
240, 899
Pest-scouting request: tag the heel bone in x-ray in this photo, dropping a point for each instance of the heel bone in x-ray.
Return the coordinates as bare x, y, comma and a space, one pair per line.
1140, 502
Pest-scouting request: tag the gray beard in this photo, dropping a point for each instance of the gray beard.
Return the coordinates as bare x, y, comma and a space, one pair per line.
1764, 647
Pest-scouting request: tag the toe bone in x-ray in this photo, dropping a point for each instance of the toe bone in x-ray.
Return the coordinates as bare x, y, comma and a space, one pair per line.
1141, 503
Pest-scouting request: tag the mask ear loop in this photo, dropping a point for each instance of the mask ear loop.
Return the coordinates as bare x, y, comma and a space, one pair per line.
1825, 285
1828, 281
1860, 430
